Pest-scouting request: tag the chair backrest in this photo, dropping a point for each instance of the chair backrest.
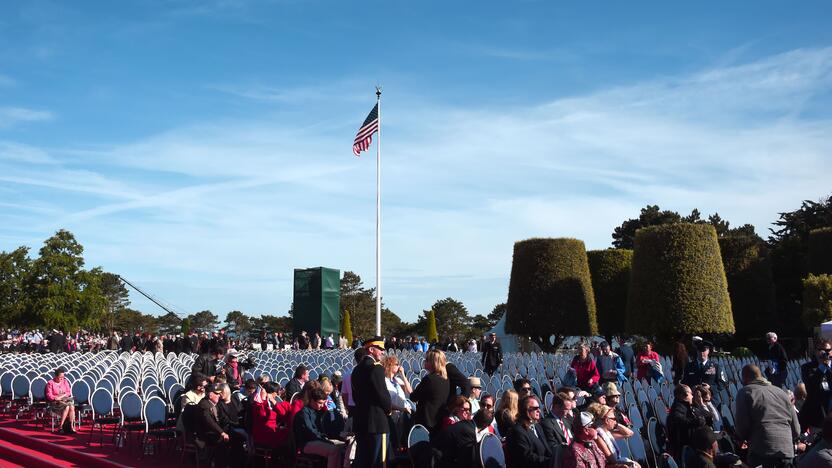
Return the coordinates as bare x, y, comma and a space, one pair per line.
669, 461
81, 392
21, 386
491, 452
131, 406
101, 401
653, 436
6, 383
418, 433
38, 389
637, 448
635, 417
155, 412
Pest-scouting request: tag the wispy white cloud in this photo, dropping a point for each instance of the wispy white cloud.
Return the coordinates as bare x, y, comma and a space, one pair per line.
243, 202
10, 116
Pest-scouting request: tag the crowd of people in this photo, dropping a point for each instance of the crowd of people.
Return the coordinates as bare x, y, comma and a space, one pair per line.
363, 416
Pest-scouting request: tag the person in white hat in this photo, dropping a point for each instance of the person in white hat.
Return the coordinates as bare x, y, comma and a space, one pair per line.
476, 391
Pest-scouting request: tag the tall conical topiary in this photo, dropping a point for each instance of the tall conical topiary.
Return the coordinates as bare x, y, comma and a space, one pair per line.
745, 259
610, 270
678, 284
820, 251
550, 291
346, 327
433, 336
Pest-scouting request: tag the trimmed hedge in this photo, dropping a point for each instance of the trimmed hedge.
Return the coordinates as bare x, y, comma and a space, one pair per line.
820, 251
817, 300
432, 335
677, 285
750, 283
550, 290
610, 270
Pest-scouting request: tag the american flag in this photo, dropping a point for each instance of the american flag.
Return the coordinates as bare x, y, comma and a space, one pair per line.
365, 133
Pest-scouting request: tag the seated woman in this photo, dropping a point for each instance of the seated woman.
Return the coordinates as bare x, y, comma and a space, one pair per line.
59, 396
270, 418
460, 409
608, 429
507, 412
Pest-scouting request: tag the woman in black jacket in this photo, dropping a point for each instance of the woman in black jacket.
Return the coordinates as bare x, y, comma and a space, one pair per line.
432, 392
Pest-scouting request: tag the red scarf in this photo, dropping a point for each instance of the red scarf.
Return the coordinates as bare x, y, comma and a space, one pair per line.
235, 374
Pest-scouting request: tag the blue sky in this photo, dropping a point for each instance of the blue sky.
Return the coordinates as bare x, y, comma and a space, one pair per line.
202, 149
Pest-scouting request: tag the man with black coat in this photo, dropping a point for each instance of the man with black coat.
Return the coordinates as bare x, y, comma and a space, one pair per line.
206, 364
492, 354
372, 408
557, 428
778, 370
525, 440
704, 370
457, 380
817, 375
207, 425
126, 343
57, 342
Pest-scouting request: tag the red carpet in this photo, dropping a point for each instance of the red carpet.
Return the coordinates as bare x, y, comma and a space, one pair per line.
26, 443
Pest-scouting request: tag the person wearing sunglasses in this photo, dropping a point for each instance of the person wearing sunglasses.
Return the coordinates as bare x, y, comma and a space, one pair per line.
525, 442
817, 375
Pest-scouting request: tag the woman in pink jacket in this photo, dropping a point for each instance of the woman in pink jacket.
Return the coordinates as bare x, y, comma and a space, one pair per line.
59, 396
585, 369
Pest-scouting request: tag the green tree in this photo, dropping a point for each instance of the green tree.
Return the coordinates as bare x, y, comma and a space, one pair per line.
272, 323
610, 270
238, 322
346, 327
204, 321
495, 315
678, 284
550, 291
651, 215
169, 323
431, 335
745, 259
479, 325
361, 303
451, 317
15, 271
820, 251
186, 326
789, 257
116, 297
391, 324
817, 300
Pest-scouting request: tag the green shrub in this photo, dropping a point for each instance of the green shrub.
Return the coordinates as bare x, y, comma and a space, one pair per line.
610, 270
550, 291
817, 299
346, 327
743, 352
432, 335
750, 284
677, 285
820, 251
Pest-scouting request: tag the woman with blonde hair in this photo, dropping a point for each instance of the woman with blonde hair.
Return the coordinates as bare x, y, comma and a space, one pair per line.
432, 392
507, 411
608, 429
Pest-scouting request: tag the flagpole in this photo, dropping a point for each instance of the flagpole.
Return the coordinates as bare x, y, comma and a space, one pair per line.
378, 216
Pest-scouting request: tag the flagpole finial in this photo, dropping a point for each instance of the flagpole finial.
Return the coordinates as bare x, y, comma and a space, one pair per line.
378, 90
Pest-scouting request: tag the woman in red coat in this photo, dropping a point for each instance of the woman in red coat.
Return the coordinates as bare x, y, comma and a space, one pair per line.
585, 369
644, 360
270, 419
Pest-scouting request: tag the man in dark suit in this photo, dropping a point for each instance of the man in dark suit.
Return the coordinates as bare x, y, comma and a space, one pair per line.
557, 428
817, 375
208, 428
492, 354
206, 364
525, 441
126, 343
372, 407
57, 342
457, 380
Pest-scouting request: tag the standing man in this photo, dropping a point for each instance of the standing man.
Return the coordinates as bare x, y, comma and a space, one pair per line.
778, 370
610, 365
765, 418
372, 407
817, 375
704, 370
492, 355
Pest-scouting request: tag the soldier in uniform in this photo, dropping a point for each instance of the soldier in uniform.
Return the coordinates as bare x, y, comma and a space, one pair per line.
703, 370
372, 408
492, 355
